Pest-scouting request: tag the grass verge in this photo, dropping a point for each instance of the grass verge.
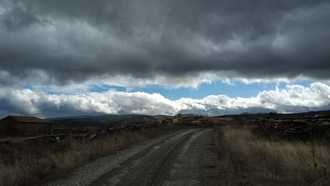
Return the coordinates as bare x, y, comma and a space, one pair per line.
247, 159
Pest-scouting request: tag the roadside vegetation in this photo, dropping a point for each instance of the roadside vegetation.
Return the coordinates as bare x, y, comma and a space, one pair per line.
34, 163
247, 158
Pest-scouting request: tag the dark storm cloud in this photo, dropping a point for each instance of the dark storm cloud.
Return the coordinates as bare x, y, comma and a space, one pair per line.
77, 40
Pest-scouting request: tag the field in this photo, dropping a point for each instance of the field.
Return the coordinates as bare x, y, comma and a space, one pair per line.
247, 158
250, 149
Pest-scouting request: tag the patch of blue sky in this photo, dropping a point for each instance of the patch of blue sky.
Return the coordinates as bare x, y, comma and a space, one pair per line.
233, 89
105, 88
237, 89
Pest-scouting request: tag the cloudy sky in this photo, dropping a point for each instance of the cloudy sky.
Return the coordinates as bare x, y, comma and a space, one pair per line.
73, 57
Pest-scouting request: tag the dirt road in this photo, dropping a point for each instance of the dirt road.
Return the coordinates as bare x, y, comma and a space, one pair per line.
184, 158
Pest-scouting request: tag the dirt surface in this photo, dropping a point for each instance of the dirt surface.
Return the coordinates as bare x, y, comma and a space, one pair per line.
184, 158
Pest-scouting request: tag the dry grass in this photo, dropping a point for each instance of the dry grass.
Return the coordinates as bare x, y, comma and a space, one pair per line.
246, 159
31, 164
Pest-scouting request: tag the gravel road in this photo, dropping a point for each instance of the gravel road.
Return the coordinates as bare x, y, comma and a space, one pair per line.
184, 158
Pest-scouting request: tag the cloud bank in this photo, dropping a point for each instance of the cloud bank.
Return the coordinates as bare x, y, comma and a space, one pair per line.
71, 40
63, 43
292, 98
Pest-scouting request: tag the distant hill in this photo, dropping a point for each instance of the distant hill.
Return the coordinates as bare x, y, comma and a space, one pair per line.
24, 119
101, 121
302, 115
22, 125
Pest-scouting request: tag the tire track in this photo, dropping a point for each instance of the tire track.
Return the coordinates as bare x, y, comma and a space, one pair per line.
147, 169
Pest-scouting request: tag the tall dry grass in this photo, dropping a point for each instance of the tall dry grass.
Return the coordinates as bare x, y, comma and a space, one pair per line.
32, 164
246, 159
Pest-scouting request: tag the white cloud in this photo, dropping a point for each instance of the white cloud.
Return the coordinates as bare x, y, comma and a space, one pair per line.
297, 97
293, 98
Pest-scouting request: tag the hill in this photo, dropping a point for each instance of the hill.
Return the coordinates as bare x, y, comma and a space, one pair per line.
104, 121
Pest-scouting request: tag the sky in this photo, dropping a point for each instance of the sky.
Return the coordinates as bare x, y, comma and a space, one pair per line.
78, 57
